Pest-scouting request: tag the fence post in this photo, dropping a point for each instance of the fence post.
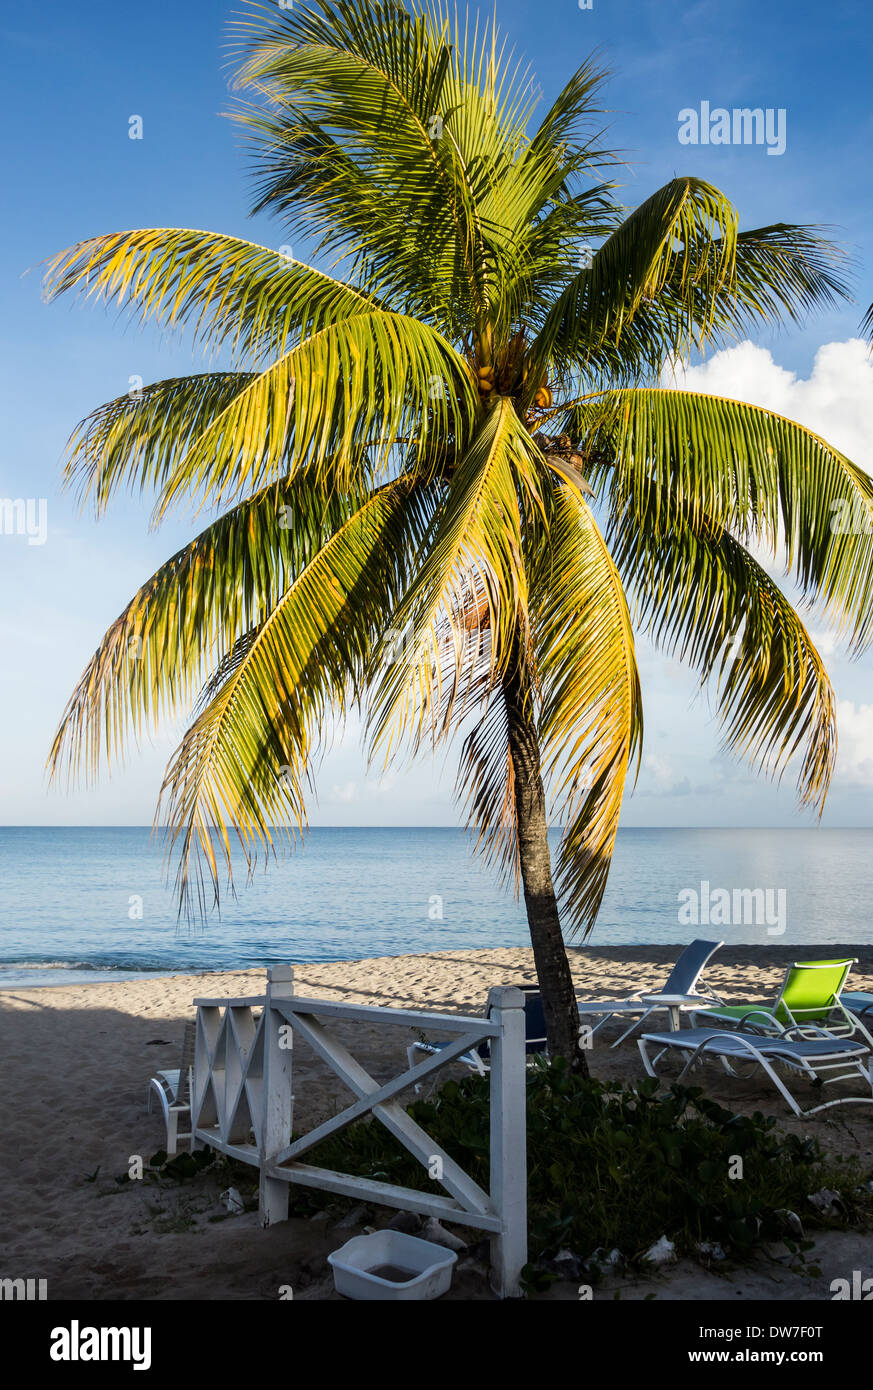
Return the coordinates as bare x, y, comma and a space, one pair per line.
508, 1140
276, 1119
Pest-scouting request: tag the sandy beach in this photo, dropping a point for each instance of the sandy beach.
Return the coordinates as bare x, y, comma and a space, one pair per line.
77, 1060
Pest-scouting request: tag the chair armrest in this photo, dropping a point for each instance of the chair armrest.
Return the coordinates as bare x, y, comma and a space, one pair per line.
711, 996
767, 1014
810, 1031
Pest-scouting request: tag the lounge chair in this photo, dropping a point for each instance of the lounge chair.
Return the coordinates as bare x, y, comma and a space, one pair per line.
677, 996
810, 1056
477, 1059
173, 1089
859, 1003
810, 994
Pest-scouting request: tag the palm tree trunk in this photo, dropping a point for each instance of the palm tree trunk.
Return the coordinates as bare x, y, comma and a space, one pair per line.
550, 955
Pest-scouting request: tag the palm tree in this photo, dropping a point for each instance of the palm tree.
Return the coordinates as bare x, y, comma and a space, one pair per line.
403, 458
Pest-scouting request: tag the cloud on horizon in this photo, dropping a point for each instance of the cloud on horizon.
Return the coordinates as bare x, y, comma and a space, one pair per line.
835, 400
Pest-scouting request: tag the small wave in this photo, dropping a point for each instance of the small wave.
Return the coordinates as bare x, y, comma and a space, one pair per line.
22, 965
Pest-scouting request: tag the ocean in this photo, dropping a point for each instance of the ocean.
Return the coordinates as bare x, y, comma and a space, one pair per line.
91, 903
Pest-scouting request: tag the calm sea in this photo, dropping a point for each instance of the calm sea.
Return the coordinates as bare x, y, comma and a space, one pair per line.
91, 903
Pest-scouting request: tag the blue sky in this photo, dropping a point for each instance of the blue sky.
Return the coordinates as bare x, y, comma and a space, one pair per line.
74, 76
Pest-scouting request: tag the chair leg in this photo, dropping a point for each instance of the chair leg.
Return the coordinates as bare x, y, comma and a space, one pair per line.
605, 1019
410, 1057
777, 1082
858, 1026
637, 1023
641, 1044
689, 1064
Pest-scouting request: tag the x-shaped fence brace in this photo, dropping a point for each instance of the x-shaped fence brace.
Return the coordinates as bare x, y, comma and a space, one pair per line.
242, 1090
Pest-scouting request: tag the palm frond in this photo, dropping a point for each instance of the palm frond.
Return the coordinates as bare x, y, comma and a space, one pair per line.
754, 472
784, 273
358, 373
701, 596
227, 292
369, 381
135, 440
684, 235
486, 786
590, 716
353, 146
158, 652
472, 558
246, 760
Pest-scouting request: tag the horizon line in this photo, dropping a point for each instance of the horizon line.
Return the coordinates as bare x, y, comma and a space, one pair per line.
93, 825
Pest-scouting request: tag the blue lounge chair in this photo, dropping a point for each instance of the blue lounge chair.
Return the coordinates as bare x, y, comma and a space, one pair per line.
678, 995
811, 1056
478, 1058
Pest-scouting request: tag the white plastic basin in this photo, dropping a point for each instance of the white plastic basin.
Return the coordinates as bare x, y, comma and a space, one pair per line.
391, 1265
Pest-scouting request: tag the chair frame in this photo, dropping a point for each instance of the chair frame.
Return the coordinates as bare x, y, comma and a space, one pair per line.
174, 1090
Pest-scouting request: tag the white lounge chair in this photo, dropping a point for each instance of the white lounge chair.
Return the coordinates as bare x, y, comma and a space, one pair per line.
679, 994
809, 1056
173, 1090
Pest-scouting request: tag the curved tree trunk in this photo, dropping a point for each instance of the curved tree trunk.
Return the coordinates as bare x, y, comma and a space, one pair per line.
550, 955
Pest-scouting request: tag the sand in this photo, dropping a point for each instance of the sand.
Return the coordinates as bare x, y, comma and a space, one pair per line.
76, 1064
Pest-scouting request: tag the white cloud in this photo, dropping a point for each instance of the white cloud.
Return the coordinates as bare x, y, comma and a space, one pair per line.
660, 768
348, 791
855, 749
825, 643
835, 400
662, 778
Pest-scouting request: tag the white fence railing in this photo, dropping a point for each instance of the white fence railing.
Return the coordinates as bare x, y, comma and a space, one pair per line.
242, 1104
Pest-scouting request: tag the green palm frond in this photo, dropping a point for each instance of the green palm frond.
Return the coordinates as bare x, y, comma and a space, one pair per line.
684, 235
246, 760
161, 648
353, 146
373, 381
783, 273
590, 717
227, 292
358, 374
136, 439
401, 137
472, 557
573, 119
754, 472
701, 596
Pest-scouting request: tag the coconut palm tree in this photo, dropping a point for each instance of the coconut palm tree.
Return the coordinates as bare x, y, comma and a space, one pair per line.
443, 471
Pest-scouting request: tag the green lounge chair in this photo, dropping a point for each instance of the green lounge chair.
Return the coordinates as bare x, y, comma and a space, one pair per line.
810, 995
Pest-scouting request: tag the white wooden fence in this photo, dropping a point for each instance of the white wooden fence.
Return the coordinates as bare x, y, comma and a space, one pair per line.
242, 1104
